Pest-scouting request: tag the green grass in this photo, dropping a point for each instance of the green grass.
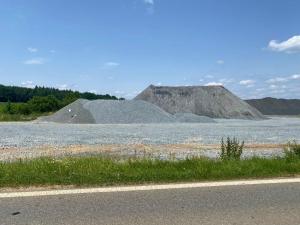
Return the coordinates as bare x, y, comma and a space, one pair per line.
6, 117
102, 171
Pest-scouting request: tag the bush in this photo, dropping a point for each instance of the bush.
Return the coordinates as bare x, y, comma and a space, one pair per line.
8, 108
24, 109
44, 104
69, 98
292, 149
232, 149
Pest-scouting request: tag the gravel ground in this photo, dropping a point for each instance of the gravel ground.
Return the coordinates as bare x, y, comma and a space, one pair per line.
28, 136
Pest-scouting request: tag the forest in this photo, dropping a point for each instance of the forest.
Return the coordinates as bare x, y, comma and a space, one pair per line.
21, 103
23, 94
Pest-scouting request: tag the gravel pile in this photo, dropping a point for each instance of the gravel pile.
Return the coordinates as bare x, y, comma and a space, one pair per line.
124, 112
110, 112
192, 118
211, 101
73, 113
119, 112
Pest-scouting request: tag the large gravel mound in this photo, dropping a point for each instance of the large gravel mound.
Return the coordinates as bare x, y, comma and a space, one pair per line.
211, 101
110, 112
192, 118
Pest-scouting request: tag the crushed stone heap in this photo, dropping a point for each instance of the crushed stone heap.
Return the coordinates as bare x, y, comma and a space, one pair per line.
210, 101
118, 112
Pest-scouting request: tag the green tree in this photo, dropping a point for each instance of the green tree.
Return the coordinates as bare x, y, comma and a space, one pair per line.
70, 97
44, 104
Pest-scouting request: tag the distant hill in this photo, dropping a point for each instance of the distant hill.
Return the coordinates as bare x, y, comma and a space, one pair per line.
274, 106
22, 94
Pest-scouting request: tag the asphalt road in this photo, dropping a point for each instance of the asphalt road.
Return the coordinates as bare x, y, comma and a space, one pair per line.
254, 204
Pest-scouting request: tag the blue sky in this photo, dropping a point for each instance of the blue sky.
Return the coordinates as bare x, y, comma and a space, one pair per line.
119, 47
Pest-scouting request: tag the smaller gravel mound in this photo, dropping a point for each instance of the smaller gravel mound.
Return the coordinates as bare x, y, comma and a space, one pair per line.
119, 112
124, 112
192, 118
72, 113
110, 112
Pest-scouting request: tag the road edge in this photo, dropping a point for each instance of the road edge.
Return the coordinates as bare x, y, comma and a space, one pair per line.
147, 187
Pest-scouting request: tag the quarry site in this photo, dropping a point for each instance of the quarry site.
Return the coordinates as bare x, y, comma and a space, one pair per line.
161, 122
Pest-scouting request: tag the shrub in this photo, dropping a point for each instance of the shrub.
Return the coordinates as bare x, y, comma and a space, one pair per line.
69, 98
8, 108
292, 149
24, 109
232, 149
44, 104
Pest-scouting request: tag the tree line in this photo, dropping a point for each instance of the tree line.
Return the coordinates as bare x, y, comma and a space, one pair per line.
23, 94
21, 100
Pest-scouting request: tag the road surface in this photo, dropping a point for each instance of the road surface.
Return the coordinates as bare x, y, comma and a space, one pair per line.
246, 204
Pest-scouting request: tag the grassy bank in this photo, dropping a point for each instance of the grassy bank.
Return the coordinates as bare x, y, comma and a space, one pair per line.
5, 117
102, 171
16, 114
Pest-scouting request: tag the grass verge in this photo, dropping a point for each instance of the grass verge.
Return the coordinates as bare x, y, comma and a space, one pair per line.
5, 117
16, 115
103, 171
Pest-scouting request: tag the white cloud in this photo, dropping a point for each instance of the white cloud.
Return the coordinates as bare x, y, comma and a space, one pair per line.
283, 79
63, 87
149, 5
30, 49
214, 84
277, 80
277, 89
296, 76
289, 46
247, 82
111, 64
28, 84
273, 86
35, 61
119, 92
220, 62
93, 91
150, 2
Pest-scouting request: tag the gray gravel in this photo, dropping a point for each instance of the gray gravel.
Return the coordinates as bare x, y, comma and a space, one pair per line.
275, 130
119, 112
33, 135
110, 112
192, 118
211, 101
